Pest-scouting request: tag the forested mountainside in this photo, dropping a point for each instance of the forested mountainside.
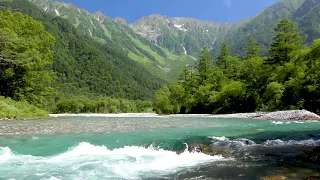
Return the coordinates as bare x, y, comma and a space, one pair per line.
148, 39
186, 35
155, 59
302, 12
83, 65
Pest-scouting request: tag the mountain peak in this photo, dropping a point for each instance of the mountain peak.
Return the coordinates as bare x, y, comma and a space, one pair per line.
121, 21
99, 16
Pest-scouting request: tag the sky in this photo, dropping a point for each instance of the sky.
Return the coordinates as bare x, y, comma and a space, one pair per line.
211, 10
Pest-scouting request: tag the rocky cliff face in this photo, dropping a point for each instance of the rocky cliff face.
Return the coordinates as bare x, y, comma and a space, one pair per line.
120, 21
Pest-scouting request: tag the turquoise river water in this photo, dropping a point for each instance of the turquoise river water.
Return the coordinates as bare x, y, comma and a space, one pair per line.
146, 148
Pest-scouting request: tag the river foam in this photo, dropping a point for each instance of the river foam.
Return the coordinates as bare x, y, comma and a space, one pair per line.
85, 159
224, 141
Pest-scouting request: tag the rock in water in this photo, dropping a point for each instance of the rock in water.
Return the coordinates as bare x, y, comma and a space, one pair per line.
205, 149
315, 155
274, 177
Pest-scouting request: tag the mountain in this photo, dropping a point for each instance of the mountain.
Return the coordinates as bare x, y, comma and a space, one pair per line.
116, 32
164, 45
83, 64
183, 35
261, 27
187, 35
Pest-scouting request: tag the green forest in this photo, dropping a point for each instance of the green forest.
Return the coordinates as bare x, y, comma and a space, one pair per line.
47, 66
37, 69
287, 79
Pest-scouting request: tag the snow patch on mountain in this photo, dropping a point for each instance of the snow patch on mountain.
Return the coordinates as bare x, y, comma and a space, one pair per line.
180, 27
93, 24
57, 12
90, 32
193, 58
185, 51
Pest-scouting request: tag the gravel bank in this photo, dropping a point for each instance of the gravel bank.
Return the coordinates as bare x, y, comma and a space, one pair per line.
279, 115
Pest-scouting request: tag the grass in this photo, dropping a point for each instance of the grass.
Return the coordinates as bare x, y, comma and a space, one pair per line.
19, 109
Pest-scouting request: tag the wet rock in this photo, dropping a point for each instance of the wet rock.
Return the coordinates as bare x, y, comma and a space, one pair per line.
274, 177
314, 155
208, 150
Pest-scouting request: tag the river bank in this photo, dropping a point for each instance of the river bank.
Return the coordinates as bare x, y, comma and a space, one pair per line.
279, 115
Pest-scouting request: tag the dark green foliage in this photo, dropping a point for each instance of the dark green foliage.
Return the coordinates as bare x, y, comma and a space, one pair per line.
205, 64
224, 53
285, 42
83, 65
25, 55
251, 83
252, 49
100, 104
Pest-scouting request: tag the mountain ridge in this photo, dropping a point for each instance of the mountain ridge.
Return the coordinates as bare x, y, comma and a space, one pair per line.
181, 36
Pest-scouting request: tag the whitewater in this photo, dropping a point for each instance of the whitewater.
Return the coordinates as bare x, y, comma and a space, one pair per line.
147, 148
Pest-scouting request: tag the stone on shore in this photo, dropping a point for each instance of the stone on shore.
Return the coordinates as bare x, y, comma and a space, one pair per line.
279, 115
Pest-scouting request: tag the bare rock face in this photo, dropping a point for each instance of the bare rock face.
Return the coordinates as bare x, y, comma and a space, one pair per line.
99, 16
121, 21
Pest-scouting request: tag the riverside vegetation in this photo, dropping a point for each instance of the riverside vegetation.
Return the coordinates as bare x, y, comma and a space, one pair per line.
47, 63
28, 74
287, 79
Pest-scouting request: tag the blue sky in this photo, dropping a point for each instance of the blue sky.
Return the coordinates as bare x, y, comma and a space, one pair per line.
212, 10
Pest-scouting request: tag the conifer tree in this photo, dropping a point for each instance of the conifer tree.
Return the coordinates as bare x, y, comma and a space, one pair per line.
287, 40
205, 64
252, 49
224, 53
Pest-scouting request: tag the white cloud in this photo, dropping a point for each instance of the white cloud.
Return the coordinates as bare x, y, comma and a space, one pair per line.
227, 3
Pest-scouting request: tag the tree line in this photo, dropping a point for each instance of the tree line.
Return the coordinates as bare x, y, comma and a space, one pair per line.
286, 79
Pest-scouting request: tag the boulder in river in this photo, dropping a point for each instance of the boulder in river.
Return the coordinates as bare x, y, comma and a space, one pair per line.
206, 149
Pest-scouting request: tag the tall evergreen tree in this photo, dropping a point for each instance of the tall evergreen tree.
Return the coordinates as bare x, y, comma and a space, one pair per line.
205, 64
224, 53
287, 40
252, 49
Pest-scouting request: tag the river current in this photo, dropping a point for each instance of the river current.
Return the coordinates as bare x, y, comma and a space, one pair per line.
146, 148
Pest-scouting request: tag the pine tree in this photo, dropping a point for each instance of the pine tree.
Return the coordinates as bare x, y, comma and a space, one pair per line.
252, 49
287, 40
205, 64
224, 53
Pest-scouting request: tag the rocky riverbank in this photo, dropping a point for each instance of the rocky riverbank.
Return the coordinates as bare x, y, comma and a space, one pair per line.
279, 115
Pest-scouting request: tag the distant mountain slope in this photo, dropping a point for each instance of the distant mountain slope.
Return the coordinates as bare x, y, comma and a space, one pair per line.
116, 32
261, 27
183, 35
308, 19
85, 66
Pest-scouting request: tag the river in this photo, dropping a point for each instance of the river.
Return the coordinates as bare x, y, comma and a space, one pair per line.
145, 148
